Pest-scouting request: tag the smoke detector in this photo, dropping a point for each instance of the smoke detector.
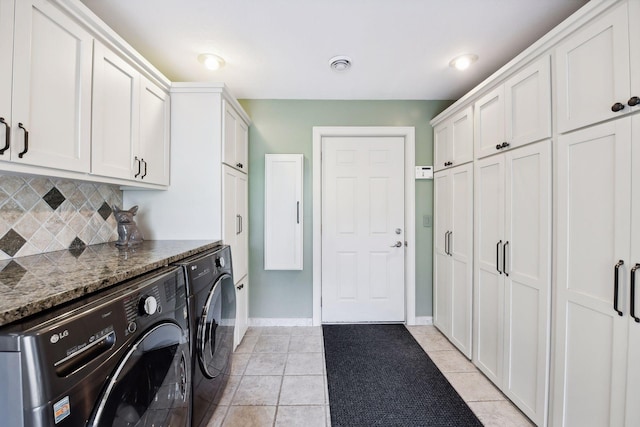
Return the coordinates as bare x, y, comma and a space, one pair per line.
340, 63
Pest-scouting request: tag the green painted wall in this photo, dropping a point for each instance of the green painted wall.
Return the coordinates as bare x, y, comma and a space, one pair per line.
285, 126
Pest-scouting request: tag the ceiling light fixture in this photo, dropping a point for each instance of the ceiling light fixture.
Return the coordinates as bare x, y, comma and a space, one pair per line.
462, 62
340, 63
211, 61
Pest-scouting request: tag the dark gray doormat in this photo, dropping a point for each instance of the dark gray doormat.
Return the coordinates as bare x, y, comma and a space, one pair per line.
380, 376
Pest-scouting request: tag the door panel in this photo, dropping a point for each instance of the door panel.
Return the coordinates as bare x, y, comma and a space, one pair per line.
442, 265
362, 207
593, 228
489, 122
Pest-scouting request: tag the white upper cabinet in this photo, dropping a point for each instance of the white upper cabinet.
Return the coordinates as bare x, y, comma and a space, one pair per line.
51, 98
593, 70
6, 62
116, 114
236, 140
453, 143
515, 113
154, 149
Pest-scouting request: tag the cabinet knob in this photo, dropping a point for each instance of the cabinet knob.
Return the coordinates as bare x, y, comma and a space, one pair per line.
7, 136
633, 101
498, 146
617, 107
239, 165
505, 144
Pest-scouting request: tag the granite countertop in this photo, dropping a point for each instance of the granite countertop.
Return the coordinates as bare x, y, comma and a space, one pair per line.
29, 285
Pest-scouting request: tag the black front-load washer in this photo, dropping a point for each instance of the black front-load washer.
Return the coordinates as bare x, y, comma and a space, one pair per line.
212, 310
118, 358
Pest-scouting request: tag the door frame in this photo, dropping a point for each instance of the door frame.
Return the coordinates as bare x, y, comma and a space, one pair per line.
408, 134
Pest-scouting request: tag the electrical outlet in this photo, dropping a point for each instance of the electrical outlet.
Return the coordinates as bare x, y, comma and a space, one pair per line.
427, 221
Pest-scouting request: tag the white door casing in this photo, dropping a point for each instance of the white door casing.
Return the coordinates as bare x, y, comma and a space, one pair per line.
407, 134
362, 222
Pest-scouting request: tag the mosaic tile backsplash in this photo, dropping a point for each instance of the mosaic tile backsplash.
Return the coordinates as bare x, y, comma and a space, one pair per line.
39, 215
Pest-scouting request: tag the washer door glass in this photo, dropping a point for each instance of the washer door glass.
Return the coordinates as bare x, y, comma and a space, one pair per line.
214, 341
150, 386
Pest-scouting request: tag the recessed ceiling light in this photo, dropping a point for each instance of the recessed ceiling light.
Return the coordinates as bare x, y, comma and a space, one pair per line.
340, 63
211, 61
462, 62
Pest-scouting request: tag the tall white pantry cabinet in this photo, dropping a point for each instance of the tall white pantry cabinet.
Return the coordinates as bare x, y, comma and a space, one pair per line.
207, 198
556, 222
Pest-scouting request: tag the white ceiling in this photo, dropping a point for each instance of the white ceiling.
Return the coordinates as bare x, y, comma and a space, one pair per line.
279, 49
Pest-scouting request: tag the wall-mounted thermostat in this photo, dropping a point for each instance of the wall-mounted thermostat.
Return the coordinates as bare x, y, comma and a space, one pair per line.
424, 172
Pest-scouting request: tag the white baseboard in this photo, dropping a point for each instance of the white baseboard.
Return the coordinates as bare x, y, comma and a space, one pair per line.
424, 320
268, 321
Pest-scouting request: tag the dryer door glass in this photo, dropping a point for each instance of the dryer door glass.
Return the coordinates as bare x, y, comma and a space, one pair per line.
214, 341
150, 386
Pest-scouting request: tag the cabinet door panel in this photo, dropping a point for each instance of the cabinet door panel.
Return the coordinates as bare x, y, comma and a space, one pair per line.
592, 69
489, 122
242, 145
593, 225
242, 241
115, 115
242, 310
528, 104
462, 137
6, 62
441, 145
488, 278
442, 265
462, 257
154, 133
229, 135
527, 286
52, 88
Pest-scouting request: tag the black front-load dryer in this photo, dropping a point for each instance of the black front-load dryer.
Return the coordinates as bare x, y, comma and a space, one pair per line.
120, 358
212, 308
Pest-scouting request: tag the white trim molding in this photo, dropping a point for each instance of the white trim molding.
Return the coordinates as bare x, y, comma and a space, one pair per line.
288, 321
406, 132
422, 320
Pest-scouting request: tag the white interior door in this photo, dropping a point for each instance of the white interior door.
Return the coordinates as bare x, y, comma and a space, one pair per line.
363, 229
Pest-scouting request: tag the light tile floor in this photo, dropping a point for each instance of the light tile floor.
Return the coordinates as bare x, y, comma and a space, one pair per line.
278, 379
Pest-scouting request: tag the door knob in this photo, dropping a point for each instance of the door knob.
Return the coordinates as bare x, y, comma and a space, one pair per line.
397, 245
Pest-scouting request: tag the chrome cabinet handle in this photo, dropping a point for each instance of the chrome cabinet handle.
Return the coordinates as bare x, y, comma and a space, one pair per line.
26, 140
7, 136
633, 293
397, 245
498, 256
297, 212
238, 224
615, 286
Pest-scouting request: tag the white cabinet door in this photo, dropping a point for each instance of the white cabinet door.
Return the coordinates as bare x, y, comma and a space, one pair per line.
154, 150
594, 235
235, 219
242, 310
592, 69
461, 255
526, 267
234, 149
115, 115
442, 261
489, 123
453, 140
6, 69
528, 104
283, 211
51, 89
488, 310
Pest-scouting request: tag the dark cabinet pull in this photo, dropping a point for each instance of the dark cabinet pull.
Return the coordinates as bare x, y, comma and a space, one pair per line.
615, 286
239, 165
498, 256
145, 168
450, 252
617, 107
498, 146
505, 144
448, 163
7, 136
297, 212
139, 166
446, 243
504, 258
26, 140
633, 101
240, 286
633, 293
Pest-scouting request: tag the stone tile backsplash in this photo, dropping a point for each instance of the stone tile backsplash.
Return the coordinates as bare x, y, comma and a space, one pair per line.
39, 214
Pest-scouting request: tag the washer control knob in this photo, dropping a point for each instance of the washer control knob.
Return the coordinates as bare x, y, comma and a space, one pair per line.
131, 327
220, 262
148, 305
